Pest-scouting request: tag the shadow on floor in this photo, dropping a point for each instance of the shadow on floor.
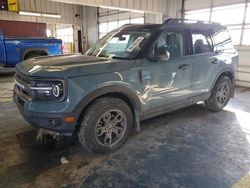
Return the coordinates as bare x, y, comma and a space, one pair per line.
34, 158
187, 148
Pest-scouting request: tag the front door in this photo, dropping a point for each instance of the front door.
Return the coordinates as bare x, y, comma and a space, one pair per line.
167, 81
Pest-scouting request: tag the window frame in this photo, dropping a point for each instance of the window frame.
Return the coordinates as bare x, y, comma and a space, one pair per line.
217, 46
201, 31
107, 38
186, 46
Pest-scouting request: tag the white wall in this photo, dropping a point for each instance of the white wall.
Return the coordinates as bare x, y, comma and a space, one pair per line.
106, 15
243, 72
67, 12
173, 8
90, 25
153, 18
156, 6
154, 10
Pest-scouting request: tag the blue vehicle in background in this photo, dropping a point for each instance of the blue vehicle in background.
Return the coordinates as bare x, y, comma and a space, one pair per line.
15, 49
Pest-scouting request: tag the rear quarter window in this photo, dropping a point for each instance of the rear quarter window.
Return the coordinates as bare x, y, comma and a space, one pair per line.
222, 39
201, 42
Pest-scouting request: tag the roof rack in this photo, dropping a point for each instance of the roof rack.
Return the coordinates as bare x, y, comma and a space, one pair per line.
175, 21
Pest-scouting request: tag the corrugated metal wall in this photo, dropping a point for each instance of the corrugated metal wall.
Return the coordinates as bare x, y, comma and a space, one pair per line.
114, 15
109, 19
156, 6
67, 12
243, 72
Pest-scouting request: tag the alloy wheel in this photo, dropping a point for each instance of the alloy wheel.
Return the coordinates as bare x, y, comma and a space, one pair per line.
222, 94
111, 127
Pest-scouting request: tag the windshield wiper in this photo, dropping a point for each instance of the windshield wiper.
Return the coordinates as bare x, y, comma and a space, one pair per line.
102, 55
119, 57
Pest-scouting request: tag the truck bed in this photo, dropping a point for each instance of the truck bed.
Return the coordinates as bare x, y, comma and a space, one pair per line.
15, 49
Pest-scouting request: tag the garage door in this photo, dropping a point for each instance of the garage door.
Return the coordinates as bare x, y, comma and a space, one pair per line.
109, 19
238, 25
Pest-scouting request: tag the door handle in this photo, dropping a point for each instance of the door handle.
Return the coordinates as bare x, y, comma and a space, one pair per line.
183, 66
215, 61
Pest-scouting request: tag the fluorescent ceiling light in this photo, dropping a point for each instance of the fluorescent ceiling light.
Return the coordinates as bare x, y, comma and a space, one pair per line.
51, 15
23, 13
124, 9
29, 13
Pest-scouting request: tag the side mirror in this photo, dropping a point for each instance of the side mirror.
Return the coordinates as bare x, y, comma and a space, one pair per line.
165, 56
218, 51
121, 38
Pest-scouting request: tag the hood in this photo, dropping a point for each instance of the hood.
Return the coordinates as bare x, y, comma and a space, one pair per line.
71, 65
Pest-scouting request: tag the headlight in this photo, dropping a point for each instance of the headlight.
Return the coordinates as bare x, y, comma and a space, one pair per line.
47, 90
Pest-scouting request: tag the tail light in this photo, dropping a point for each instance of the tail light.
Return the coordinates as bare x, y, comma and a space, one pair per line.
62, 48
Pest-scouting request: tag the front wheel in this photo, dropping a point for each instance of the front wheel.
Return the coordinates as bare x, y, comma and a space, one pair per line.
220, 95
106, 125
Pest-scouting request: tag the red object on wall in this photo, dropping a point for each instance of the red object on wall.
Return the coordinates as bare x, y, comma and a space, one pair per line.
22, 29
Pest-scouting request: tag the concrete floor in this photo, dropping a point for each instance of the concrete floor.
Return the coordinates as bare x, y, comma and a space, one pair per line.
187, 148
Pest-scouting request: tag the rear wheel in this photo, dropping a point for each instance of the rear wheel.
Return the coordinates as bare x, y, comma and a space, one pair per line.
221, 94
106, 125
33, 55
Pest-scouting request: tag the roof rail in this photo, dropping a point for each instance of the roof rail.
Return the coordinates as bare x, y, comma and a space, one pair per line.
175, 21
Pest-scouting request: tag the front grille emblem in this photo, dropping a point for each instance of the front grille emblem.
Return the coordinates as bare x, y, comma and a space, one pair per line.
56, 90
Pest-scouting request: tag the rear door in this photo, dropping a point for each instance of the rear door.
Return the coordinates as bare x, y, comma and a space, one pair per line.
205, 61
2, 50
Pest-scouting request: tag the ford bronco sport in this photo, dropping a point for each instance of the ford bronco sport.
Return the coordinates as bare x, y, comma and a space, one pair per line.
133, 73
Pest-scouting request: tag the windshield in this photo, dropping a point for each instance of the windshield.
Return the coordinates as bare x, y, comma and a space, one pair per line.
124, 45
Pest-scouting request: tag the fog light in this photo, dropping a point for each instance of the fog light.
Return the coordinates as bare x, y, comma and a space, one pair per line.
55, 122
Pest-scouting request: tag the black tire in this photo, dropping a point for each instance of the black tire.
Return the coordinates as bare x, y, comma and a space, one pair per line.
93, 120
32, 55
220, 97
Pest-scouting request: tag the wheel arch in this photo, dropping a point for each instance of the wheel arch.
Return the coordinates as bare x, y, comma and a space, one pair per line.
122, 92
229, 73
28, 51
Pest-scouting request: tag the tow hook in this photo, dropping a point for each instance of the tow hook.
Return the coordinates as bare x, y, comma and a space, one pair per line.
43, 134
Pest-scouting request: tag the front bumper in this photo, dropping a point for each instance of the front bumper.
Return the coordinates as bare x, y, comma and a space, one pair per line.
50, 121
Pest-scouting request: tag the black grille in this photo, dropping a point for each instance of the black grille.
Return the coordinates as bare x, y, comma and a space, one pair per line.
22, 78
24, 89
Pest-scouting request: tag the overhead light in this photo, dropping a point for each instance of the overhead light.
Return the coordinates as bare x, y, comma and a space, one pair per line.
23, 13
29, 13
51, 15
124, 9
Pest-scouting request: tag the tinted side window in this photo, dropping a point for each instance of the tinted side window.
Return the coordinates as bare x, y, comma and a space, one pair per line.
201, 42
222, 39
171, 42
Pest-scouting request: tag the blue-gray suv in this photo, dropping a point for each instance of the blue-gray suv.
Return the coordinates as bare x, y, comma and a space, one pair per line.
133, 73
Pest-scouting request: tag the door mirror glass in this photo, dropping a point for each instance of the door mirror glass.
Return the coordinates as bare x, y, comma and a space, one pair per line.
218, 51
165, 56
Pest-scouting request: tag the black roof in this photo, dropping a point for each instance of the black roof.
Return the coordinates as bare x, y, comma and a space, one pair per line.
141, 26
176, 23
